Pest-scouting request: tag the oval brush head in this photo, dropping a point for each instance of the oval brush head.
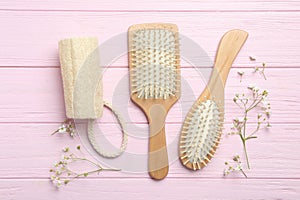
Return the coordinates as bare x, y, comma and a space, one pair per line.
155, 84
201, 133
202, 127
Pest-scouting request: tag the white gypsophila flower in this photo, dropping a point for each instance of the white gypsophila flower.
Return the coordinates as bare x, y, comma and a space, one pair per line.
52, 177
265, 104
240, 119
256, 69
62, 129
238, 168
55, 164
250, 86
66, 149
259, 115
58, 172
255, 89
72, 132
226, 172
241, 73
268, 112
265, 93
58, 183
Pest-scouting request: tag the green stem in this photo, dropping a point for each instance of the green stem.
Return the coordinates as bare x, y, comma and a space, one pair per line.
95, 171
246, 154
87, 160
254, 104
55, 132
244, 173
90, 172
110, 169
244, 125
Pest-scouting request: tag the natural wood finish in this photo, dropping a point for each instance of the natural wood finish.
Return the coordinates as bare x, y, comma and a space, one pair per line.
228, 49
156, 109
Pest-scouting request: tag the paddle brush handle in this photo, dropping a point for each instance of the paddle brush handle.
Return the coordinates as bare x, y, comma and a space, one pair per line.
158, 165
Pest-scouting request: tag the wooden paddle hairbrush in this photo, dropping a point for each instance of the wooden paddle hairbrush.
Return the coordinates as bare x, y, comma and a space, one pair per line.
203, 124
155, 84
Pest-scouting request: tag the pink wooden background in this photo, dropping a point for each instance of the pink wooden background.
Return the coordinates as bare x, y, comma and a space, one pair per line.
31, 103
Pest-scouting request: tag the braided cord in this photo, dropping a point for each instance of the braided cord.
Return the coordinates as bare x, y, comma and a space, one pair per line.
94, 142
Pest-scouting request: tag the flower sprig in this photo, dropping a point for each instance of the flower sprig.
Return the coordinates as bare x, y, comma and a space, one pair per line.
237, 167
259, 69
257, 99
68, 127
62, 173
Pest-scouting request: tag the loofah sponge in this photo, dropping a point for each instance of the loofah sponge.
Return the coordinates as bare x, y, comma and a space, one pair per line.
81, 74
82, 82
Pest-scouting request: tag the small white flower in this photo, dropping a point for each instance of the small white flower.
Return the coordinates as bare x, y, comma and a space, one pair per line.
58, 183
238, 168
265, 105
62, 129
55, 164
72, 132
251, 86
226, 172
241, 73
265, 93
236, 119
240, 119
268, 112
58, 172
255, 89
256, 69
66, 149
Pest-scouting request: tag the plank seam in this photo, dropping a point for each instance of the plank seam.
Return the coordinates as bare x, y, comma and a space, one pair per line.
143, 11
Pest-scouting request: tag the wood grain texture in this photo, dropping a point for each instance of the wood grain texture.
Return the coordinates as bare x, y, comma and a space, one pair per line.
31, 103
37, 45
35, 95
107, 5
32, 151
143, 188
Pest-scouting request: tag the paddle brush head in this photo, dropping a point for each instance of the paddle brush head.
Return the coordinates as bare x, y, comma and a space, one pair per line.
154, 61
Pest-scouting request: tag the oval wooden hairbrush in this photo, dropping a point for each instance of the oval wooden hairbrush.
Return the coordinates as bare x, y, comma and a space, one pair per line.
155, 84
202, 128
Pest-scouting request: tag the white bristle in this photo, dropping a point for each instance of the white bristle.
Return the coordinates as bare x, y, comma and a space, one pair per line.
154, 71
201, 132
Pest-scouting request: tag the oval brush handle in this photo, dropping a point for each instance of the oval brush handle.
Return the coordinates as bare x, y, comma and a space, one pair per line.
158, 165
229, 47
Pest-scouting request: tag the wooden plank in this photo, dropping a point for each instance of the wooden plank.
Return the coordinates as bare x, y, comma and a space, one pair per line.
90, 189
27, 150
159, 5
35, 95
41, 31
